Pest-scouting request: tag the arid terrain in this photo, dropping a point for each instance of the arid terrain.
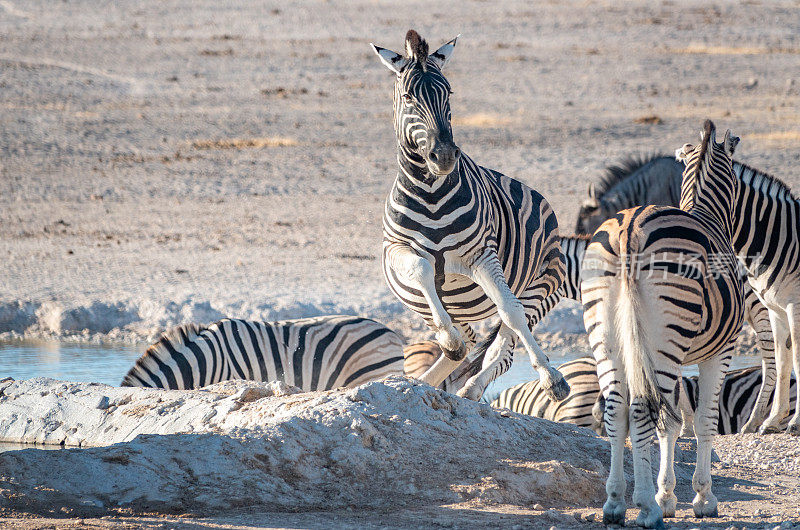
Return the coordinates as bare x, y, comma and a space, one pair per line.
164, 162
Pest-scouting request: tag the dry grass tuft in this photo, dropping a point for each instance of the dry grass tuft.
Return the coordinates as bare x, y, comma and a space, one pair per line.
733, 50
245, 143
649, 120
481, 120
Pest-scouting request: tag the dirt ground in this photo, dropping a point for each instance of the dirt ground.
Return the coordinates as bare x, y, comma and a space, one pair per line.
751, 496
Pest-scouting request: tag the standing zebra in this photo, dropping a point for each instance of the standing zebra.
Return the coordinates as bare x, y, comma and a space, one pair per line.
766, 237
312, 354
462, 242
660, 289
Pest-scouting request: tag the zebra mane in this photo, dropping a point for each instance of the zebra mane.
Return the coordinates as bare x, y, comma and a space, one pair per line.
416, 48
771, 186
619, 172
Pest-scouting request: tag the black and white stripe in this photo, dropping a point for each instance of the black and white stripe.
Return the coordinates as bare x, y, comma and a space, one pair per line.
661, 289
580, 407
739, 395
766, 226
312, 354
462, 242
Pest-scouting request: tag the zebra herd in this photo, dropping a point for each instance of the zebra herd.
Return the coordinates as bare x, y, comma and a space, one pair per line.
670, 257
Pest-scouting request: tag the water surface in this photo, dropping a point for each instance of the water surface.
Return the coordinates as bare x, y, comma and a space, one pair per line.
67, 361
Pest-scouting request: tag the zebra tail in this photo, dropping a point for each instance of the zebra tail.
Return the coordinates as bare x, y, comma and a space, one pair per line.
639, 354
138, 375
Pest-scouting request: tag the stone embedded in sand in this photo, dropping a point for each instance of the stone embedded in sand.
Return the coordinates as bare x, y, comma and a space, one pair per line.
383, 444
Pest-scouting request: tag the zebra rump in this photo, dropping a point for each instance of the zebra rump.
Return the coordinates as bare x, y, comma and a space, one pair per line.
318, 353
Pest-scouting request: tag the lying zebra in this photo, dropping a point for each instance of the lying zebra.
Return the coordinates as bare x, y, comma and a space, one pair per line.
584, 406
312, 354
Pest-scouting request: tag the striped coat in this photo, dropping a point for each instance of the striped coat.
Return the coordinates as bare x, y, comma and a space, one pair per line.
461, 242
318, 353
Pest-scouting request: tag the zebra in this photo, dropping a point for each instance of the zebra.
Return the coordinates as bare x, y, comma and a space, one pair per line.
582, 406
766, 239
318, 353
461, 242
661, 289
739, 395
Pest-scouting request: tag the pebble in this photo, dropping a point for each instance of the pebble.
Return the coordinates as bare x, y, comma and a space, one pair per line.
538, 506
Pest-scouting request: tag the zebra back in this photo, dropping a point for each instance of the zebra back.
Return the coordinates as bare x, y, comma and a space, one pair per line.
312, 354
529, 398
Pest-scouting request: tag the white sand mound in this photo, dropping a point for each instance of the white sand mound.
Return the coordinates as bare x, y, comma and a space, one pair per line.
391, 443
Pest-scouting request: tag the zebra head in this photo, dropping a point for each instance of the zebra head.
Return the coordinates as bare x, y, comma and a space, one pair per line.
422, 103
708, 179
593, 213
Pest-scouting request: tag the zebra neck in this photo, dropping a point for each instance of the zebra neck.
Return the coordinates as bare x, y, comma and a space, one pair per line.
634, 189
711, 204
764, 213
415, 177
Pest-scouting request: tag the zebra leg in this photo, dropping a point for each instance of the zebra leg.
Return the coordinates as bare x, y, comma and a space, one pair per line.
497, 360
709, 383
687, 414
758, 317
793, 312
614, 392
642, 427
780, 401
665, 497
616, 424
443, 366
667, 434
418, 272
487, 272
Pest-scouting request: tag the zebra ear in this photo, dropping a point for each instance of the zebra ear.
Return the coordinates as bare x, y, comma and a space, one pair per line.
730, 142
393, 60
442, 56
683, 153
592, 191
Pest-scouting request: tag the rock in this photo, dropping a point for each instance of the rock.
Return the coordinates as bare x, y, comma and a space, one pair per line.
538, 507
241, 444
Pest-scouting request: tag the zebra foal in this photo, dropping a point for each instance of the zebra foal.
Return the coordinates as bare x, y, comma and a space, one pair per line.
462, 243
660, 289
319, 353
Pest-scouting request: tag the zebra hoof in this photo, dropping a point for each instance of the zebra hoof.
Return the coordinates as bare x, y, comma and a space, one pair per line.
472, 392
614, 513
705, 508
793, 429
559, 390
456, 355
768, 429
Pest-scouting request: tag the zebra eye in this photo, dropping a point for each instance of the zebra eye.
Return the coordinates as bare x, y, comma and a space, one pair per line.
408, 99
